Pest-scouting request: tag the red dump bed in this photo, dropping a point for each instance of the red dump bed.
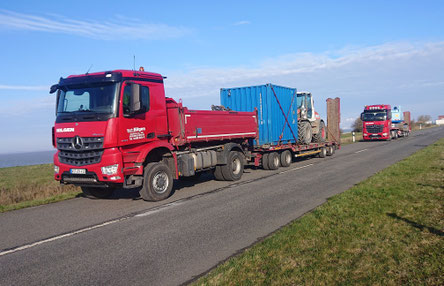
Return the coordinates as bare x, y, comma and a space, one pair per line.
189, 126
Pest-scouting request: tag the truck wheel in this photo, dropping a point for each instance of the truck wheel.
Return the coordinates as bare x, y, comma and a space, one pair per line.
304, 132
286, 158
217, 172
330, 150
323, 152
99, 193
265, 161
157, 182
234, 168
273, 161
320, 136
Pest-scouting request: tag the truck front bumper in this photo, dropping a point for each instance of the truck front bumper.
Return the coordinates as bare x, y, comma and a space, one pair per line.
94, 174
376, 136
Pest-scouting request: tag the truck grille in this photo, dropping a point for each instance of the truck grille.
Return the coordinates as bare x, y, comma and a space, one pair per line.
374, 128
80, 151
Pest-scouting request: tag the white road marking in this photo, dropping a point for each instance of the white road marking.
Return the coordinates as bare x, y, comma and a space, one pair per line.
294, 169
360, 151
61, 236
147, 213
87, 229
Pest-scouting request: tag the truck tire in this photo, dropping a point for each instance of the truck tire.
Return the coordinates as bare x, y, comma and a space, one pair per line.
265, 161
286, 158
157, 182
217, 172
323, 152
273, 161
304, 132
321, 135
234, 168
98, 193
330, 150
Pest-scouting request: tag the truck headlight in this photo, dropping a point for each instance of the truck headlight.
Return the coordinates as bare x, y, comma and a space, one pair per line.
365, 134
384, 134
56, 169
110, 170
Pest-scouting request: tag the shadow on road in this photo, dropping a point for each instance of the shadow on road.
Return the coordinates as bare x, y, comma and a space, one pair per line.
417, 225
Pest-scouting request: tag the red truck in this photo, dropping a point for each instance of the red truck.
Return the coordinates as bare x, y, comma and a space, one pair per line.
117, 129
381, 122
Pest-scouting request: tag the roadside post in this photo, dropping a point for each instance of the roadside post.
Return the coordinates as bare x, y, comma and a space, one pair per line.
353, 134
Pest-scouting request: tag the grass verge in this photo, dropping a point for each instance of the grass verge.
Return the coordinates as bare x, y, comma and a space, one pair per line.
386, 230
27, 186
347, 138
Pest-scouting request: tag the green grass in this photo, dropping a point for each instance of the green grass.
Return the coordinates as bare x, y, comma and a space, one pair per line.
346, 138
27, 186
386, 230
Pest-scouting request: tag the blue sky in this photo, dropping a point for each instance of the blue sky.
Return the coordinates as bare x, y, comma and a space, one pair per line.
365, 52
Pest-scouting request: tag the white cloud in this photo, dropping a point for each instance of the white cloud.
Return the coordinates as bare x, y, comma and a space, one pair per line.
394, 73
117, 28
243, 22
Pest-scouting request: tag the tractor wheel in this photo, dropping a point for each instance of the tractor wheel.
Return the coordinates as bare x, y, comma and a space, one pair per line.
321, 135
304, 132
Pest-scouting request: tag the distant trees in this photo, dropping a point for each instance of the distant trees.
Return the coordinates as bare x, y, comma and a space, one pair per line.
424, 118
357, 125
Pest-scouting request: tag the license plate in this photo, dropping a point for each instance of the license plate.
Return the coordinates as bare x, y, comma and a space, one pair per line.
78, 171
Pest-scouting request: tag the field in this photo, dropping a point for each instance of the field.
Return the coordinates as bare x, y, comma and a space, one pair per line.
386, 230
30, 186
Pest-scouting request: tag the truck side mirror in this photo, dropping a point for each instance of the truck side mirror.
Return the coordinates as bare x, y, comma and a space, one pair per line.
135, 105
362, 116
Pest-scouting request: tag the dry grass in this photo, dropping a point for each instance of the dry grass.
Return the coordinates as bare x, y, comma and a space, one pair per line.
31, 185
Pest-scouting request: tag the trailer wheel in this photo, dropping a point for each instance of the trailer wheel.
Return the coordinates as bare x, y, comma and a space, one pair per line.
273, 161
217, 172
330, 150
323, 152
157, 182
98, 193
265, 161
320, 136
305, 132
234, 168
286, 158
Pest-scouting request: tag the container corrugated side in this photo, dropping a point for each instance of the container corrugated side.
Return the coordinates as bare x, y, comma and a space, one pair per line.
271, 119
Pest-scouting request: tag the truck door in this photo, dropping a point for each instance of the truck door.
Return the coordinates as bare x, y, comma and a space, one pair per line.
139, 127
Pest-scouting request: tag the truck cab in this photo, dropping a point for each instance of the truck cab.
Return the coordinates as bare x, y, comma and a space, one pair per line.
102, 121
377, 121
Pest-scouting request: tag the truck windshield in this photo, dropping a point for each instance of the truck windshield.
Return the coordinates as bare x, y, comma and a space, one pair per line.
91, 98
374, 116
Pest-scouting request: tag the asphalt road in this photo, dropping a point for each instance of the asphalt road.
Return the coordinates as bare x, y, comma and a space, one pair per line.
127, 241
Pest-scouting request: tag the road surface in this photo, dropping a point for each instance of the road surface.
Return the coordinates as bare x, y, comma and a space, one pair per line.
126, 241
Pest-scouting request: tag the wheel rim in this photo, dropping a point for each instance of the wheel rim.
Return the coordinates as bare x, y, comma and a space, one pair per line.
288, 158
276, 161
236, 166
160, 182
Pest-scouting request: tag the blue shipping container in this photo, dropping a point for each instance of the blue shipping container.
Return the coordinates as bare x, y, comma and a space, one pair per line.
271, 118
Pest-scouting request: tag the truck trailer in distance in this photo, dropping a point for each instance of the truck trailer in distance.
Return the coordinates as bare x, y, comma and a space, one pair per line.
117, 129
384, 123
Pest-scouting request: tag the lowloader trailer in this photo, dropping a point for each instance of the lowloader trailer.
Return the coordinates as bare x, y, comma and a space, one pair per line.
117, 129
